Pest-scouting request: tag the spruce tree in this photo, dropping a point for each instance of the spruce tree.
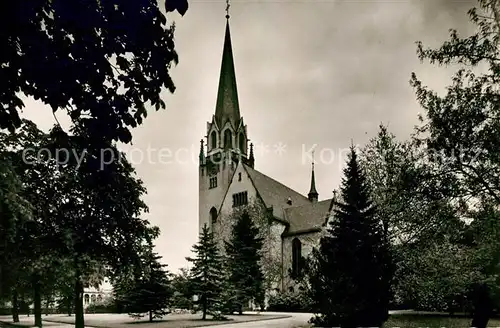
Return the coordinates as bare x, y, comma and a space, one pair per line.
207, 274
243, 260
151, 292
351, 275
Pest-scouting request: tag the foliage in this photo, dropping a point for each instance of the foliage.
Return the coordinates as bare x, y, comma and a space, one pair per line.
411, 199
206, 274
106, 306
269, 232
101, 62
463, 127
290, 302
351, 272
183, 293
151, 292
85, 222
419, 219
243, 262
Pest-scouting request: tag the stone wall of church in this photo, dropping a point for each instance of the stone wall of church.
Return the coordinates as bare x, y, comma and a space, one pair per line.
272, 257
308, 241
240, 183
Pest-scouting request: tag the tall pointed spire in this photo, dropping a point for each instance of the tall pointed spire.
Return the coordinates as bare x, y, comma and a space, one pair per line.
313, 194
227, 106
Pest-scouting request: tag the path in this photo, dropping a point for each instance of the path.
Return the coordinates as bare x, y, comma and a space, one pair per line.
294, 321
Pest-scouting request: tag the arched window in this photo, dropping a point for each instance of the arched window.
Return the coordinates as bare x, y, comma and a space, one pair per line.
93, 298
296, 256
228, 139
213, 140
241, 140
213, 216
86, 298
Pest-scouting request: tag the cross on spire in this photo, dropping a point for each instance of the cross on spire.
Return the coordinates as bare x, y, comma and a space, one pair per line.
227, 9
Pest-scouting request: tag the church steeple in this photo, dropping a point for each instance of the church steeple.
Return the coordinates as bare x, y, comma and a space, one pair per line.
227, 107
313, 194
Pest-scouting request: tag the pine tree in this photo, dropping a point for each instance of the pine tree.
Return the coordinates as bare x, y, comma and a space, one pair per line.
151, 292
351, 271
207, 273
243, 251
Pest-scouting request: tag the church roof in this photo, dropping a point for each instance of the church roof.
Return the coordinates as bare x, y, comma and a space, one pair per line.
302, 215
227, 107
307, 217
275, 194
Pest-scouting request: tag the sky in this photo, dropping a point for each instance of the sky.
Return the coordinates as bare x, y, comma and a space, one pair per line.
309, 72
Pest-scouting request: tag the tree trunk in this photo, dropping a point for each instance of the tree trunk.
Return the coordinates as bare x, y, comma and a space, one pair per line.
483, 307
204, 304
47, 304
15, 306
69, 306
37, 301
150, 316
79, 319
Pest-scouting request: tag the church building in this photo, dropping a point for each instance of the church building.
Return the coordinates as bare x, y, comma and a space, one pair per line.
229, 179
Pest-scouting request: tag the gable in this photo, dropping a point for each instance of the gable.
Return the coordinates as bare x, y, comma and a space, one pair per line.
238, 185
273, 193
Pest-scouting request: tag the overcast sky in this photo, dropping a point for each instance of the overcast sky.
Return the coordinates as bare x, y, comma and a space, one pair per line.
308, 72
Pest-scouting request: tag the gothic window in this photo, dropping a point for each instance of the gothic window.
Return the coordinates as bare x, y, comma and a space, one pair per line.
212, 182
228, 139
296, 256
213, 140
86, 298
241, 140
239, 176
93, 298
240, 199
213, 216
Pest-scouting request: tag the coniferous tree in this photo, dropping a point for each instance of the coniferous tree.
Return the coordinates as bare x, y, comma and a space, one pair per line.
351, 275
207, 273
243, 251
150, 293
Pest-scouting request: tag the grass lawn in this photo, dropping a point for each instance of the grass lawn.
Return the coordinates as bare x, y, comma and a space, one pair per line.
432, 321
428, 321
169, 321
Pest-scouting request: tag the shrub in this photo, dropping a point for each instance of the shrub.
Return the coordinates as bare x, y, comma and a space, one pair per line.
290, 302
107, 306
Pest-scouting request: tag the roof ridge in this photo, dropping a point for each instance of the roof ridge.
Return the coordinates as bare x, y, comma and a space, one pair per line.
283, 185
311, 204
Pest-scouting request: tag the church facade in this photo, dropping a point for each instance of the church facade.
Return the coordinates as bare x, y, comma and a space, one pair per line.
229, 180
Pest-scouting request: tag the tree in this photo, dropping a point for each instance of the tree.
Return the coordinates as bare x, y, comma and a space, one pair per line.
98, 61
462, 126
269, 232
86, 214
351, 271
151, 292
414, 204
14, 212
183, 293
243, 262
206, 274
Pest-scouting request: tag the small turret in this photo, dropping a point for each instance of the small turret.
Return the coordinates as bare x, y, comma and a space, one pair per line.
202, 152
251, 159
313, 194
